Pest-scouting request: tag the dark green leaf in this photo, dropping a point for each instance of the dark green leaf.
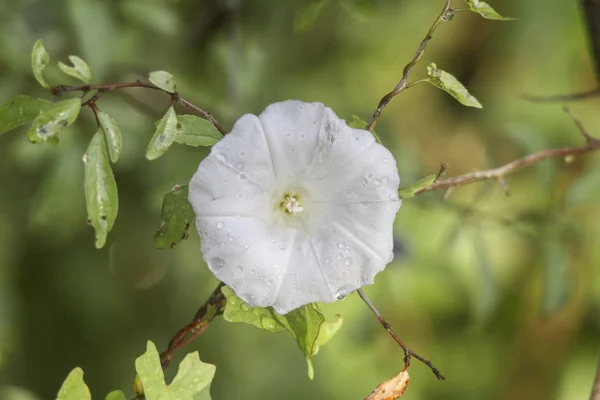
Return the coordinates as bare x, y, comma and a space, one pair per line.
20, 110
53, 120
79, 70
100, 189
113, 135
74, 388
451, 85
176, 216
196, 131
163, 80
116, 395
39, 61
485, 10
409, 191
192, 380
306, 16
164, 135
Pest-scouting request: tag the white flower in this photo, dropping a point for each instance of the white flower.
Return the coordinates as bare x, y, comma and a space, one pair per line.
294, 206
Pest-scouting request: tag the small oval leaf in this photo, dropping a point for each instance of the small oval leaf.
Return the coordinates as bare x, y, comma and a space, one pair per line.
101, 195
20, 110
113, 135
74, 388
163, 80
164, 135
79, 70
53, 120
449, 84
39, 61
116, 395
486, 11
196, 131
176, 216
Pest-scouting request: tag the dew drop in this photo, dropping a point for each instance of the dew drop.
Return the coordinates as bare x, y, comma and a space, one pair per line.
240, 268
219, 225
242, 177
385, 180
217, 263
341, 245
288, 134
240, 165
328, 261
338, 256
302, 135
348, 261
385, 160
376, 182
242, 153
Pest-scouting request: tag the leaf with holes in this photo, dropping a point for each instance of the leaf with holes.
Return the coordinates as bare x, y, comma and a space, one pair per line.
192, 380
164, 135
196, 131
176, 216
163, 80
113, 135
80, 70
449, 84
20, 110
485, 10
53, 120
39, 61
74, 388
101, 195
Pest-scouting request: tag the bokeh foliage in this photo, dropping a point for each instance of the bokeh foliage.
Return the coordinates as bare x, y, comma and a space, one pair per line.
502, 293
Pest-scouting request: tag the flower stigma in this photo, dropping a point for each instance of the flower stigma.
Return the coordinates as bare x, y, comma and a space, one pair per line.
290, 204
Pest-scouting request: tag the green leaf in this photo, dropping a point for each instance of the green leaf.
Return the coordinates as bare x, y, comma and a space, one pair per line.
451, 85
196, 131
79, 70
485, 10
163, 136
101, 196
358, 123
53, 120
306, 16
113, 135
163, 80
307, 323
557, 277
20, 110
74, 388
39, 61
409, 191
116, 395
192, 380
176, 216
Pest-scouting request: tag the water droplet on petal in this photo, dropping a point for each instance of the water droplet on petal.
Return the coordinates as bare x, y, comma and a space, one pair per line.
242, 153
288, 134
217, 263
341, 245
240, 165
219, 225
302, 135
348, 261
242, 177
240, 268
338, 256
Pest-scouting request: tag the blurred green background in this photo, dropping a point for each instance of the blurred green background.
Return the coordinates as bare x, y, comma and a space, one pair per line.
501, 293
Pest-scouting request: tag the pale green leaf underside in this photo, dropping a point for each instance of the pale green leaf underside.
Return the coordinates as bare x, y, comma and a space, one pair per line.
196, 131
74, 388
20, 110
176, 217
112, 132
164, 135
163, 80
80, 70
101, 195
192, 380
52, 120
39, 61
451, 85
485, 10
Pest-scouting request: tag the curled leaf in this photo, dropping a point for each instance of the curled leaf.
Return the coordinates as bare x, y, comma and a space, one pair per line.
163, 80
409, 191
449, 84
391, 389
485, 10
20, 110
101, 196
113, 135
39, 61
176, 216
196, 131
52, 120
79, 70
164, 135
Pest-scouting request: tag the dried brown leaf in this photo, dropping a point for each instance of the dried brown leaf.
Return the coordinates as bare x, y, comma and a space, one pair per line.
391, 389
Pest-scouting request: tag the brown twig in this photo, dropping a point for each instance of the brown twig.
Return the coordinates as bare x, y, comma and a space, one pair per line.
408, 353
403, 84
596, 386
563, 97
211, 308
101, 89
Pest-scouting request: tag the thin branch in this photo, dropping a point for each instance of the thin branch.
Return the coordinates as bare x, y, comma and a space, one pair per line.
101, 89
596, 386
211, 308
403, 84
563, 97
408, 353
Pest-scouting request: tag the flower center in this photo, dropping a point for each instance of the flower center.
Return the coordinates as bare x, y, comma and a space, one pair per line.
291, 204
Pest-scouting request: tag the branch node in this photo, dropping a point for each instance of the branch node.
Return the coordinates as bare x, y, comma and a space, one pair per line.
589, 138
504, 185
443, 169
